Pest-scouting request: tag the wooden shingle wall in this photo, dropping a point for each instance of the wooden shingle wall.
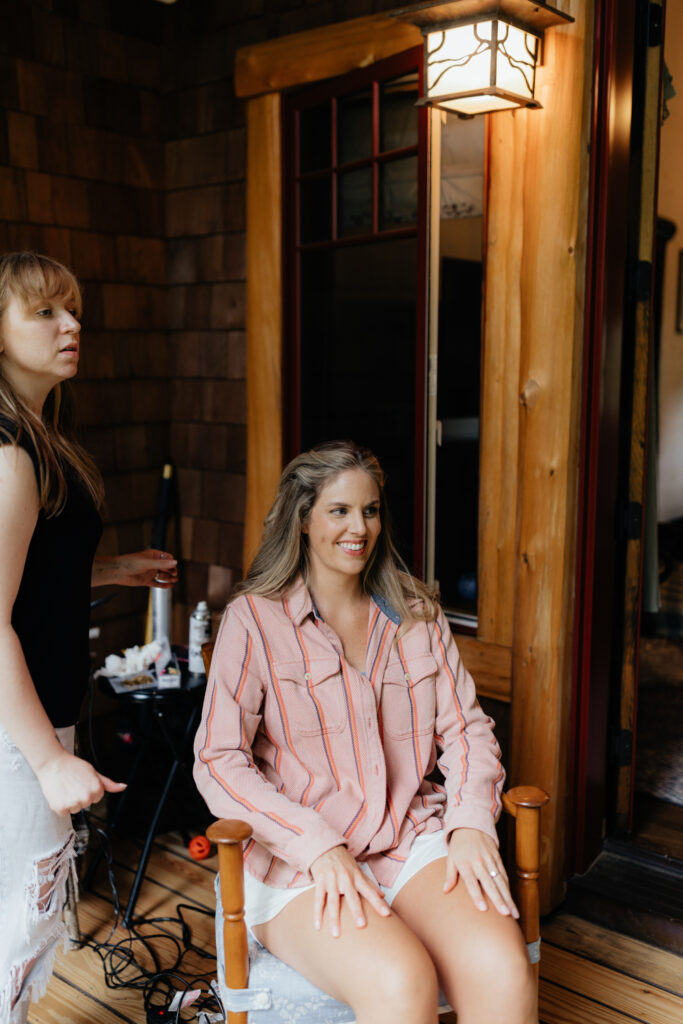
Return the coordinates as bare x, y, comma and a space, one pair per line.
122, 153
82, 179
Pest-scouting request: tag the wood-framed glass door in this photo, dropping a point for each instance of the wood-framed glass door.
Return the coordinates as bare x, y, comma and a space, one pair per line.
355, 276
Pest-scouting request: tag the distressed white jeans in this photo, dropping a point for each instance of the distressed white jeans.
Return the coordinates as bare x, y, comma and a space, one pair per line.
36, 855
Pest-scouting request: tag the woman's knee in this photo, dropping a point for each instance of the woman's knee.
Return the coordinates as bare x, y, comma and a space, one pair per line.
496, 969
405, 986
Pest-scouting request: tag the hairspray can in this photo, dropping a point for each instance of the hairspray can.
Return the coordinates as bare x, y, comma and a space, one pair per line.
161, 614
200, 632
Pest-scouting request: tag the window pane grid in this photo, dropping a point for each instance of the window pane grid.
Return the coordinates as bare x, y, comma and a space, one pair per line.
352, 165
358, 207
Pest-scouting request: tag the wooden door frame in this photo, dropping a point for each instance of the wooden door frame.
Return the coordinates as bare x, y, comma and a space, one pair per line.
615, 402
535, 232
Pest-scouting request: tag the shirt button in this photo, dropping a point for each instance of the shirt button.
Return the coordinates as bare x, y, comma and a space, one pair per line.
407, 677
307, 675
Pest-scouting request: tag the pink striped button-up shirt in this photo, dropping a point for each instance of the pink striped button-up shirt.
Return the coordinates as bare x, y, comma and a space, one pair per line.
314, 754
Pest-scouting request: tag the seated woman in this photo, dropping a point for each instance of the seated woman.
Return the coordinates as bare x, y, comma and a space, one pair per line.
335, 690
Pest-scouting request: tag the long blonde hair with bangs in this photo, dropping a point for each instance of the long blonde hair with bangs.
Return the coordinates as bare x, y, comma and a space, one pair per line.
28, 276
283, 554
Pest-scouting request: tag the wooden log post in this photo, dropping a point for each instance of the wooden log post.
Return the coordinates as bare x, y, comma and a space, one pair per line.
228, 837
264, 314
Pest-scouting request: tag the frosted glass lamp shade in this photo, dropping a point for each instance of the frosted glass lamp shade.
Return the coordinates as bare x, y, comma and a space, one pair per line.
480, 67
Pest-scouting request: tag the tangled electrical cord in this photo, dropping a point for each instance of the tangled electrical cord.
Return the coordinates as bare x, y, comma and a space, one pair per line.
123, 969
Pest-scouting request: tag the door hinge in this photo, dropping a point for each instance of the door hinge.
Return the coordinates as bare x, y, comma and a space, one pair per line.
643, 281
624, 745
632, 520
654, 28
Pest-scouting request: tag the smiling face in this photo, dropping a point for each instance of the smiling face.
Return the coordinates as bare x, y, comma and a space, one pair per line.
343, 526
39, 344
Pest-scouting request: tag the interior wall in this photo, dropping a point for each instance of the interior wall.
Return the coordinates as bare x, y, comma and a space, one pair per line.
670, 206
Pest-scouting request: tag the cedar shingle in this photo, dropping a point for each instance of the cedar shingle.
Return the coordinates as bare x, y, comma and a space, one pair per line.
23, 143
219, 586
228, 304
13, 205
189, 491
39, 197
223, 496
230, 541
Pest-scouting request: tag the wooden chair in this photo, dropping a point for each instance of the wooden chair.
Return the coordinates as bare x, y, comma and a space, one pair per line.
259, 989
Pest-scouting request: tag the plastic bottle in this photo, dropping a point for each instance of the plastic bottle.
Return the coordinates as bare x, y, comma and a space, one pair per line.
200, 632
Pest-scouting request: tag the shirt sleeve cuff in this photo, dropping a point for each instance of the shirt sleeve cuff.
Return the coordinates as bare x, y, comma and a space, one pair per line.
314, 847
470, 817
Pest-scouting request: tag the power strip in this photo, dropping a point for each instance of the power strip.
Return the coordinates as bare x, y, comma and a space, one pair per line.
160, 1015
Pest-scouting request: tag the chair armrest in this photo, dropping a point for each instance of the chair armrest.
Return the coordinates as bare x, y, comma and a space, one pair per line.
524, 803
228, 837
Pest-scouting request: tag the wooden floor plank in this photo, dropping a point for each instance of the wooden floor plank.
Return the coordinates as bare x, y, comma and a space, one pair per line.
63, 1003
620, 952
561, 1006
185, 879
623, 993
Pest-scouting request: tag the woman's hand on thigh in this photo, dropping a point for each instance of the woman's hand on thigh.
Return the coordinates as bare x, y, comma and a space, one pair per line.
474, 857
337, 875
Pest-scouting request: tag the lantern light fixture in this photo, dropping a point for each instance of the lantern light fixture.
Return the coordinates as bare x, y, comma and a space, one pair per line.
481, 55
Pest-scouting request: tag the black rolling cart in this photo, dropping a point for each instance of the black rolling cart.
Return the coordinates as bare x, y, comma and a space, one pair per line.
168, 721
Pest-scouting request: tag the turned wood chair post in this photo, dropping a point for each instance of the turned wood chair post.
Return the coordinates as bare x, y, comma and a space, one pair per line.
228, 837
524, 803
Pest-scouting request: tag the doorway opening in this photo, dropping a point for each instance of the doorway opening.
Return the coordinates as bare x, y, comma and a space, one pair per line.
355, 266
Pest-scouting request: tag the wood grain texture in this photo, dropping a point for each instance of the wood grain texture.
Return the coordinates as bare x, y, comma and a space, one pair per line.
556, 1005
498, 461
551, 324
489, 664
325, 52
657, 968
627, 995
264, 314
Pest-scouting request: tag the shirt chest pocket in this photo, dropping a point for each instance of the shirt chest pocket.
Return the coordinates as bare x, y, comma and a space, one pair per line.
409, 696
310, 697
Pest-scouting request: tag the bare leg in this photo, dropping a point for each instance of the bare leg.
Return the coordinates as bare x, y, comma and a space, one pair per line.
480, 956
382, 971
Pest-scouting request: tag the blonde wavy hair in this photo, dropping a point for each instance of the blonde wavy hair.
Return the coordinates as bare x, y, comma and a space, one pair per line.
28, 276
283, 553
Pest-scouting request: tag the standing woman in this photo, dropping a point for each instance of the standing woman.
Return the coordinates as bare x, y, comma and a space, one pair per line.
335, 690
50, 496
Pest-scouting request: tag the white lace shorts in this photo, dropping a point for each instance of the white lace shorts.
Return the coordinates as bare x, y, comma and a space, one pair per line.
36, 853
263, 902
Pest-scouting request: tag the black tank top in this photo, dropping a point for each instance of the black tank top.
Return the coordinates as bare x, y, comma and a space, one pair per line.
51, 614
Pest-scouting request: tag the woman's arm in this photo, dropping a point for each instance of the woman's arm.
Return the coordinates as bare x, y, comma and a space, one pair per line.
68, 783
470, 762
150, 568
469, 755
225, 771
